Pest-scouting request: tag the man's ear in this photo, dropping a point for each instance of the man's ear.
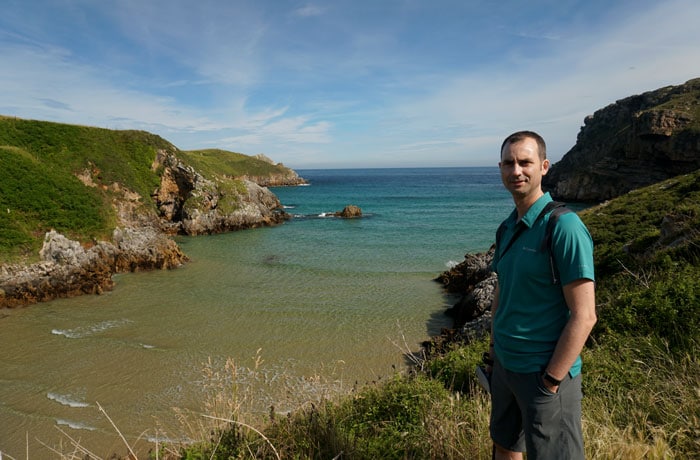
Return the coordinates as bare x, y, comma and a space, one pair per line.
545, 167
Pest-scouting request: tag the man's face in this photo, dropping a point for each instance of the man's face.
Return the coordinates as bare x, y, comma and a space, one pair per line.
522, 169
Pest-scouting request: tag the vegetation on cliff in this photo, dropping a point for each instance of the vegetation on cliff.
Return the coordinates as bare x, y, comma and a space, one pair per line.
634, 142
215, 162
68, 178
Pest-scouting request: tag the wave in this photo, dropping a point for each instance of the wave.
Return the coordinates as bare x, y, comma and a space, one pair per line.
86, 331
451, 264
75, 425
66, 400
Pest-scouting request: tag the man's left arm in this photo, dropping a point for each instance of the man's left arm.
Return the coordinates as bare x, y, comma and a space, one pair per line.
580, 298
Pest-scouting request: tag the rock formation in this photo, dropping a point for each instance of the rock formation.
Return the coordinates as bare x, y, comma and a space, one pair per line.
67, 269
637, 141
474, 280
349, 212
185, 203
194, 205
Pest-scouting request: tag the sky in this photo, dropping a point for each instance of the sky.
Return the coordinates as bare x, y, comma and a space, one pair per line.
341, 83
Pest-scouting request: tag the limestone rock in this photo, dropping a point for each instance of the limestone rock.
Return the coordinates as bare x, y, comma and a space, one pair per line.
635, 142
67, 269
194, 205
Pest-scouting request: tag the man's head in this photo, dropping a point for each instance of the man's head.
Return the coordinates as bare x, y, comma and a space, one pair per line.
523, 163
520, 135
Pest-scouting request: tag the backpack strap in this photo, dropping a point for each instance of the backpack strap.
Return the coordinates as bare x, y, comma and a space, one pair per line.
556, 208
548, 244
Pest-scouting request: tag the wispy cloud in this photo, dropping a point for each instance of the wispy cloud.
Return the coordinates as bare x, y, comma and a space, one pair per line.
309, 10
341, 82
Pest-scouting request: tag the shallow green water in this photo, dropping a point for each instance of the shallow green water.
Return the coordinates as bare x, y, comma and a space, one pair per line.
325, 303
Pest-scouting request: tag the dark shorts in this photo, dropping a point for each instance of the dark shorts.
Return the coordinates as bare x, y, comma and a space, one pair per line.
527, 417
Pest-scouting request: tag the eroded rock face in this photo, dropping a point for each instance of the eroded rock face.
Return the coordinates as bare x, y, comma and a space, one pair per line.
186, 202
475, 282
193, 205
67, 269
630, 144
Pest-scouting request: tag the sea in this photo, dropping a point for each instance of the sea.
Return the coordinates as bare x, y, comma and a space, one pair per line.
263, 320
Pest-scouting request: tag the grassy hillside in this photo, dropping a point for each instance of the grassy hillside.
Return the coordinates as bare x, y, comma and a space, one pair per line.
40, 190
212, 162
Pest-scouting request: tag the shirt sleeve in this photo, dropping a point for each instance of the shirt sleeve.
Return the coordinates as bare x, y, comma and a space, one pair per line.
572, 249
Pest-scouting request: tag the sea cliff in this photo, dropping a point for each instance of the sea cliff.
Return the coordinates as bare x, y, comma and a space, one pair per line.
634, 142
134, 189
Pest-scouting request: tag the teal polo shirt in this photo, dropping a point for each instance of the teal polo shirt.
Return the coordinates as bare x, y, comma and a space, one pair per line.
532, 311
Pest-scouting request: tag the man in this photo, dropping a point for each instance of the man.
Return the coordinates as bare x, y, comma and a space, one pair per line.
539, 328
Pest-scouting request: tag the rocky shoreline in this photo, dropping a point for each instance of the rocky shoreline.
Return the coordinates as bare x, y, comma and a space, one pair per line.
474, 281
67, 269
185, 203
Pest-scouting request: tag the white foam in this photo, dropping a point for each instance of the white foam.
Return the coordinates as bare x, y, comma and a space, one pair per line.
66, 400
85, 331
451, 264
75, 425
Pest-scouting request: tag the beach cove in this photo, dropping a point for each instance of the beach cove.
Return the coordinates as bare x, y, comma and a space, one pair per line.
319, 300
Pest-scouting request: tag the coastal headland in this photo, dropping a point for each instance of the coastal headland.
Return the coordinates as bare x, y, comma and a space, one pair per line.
89, 203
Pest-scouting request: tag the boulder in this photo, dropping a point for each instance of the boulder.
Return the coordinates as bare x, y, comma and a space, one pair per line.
349, 212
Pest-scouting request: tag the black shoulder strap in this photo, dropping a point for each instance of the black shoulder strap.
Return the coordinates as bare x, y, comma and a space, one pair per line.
554, 206
547, 243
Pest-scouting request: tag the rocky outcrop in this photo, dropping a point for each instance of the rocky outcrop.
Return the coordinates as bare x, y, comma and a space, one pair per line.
474, 282
191, 204
637, 141
67, 269
349, 212
287, 177
185, 203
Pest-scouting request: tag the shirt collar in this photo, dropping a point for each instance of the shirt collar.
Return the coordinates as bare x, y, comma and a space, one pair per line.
531, 215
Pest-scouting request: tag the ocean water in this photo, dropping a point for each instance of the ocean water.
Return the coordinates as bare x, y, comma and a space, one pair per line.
315, 306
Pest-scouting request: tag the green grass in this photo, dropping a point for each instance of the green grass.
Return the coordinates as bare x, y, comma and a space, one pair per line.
37, 198
39, 188
215, 162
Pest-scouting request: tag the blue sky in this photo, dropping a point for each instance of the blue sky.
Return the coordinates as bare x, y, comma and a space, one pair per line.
341, 83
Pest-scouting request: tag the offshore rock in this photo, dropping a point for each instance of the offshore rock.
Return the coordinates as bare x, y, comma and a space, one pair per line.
349, 212
635, 142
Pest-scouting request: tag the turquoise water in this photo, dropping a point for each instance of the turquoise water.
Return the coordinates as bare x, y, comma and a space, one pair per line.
322, 303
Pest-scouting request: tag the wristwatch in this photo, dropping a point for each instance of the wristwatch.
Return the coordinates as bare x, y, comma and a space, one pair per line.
548, 377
